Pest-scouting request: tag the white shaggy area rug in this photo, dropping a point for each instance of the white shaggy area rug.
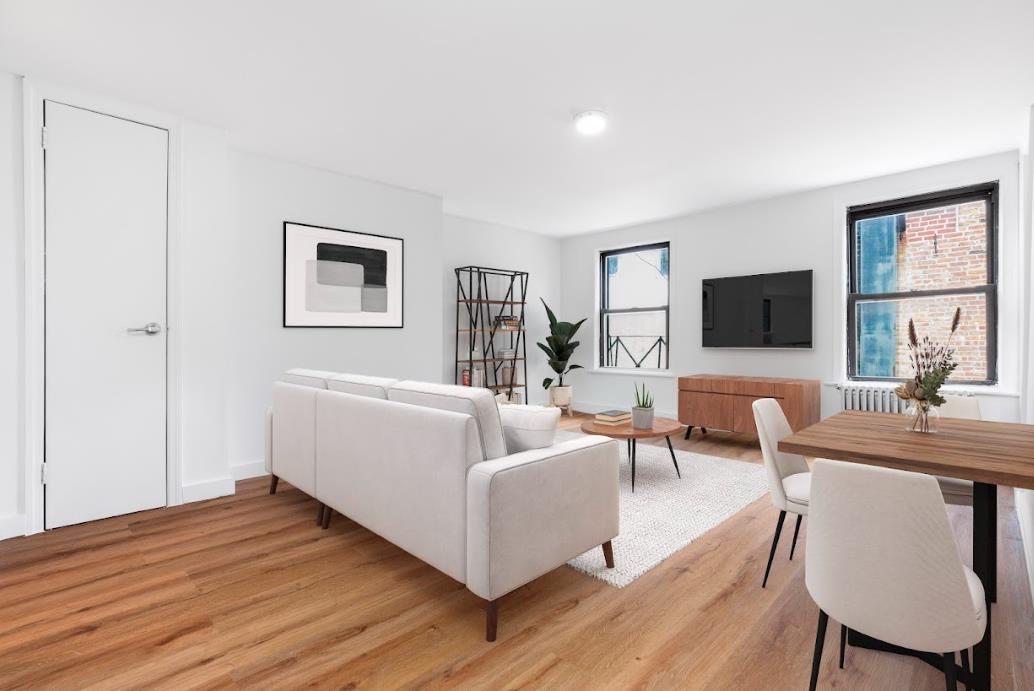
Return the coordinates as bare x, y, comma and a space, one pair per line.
665, 513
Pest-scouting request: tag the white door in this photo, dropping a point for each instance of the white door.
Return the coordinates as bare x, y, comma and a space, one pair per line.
106, 185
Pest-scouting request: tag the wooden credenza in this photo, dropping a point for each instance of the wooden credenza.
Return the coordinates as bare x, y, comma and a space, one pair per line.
722, 401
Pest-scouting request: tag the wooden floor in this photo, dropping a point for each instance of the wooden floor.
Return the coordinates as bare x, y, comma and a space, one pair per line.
247, 592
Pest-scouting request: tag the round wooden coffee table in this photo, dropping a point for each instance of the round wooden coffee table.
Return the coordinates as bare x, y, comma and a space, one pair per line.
662, 427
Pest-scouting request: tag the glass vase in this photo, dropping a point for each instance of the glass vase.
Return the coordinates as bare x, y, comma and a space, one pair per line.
922, 417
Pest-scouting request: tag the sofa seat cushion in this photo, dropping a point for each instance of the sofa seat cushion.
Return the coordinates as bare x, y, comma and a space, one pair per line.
317, 379
361, 385
476, 402
527, 427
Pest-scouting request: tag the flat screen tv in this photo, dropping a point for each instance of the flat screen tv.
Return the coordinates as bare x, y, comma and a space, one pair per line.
762, 311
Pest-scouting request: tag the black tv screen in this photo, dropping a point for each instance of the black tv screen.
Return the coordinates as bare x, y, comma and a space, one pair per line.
762, 311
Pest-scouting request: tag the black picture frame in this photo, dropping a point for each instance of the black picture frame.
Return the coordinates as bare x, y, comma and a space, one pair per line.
284, 288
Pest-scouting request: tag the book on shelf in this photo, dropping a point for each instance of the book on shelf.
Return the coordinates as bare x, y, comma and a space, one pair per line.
613, 416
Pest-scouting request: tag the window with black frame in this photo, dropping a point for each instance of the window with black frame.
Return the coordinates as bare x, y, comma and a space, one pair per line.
920, 258
633, 324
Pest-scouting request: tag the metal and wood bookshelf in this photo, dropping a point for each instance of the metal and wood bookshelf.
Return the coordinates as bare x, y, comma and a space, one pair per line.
489, 321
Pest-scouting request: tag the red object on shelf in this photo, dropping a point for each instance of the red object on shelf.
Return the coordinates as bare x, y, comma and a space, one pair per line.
466, 377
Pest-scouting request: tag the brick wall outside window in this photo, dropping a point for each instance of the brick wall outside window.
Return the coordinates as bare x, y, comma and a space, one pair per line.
943, 248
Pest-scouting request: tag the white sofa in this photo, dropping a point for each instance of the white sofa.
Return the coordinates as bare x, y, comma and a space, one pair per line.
427, 466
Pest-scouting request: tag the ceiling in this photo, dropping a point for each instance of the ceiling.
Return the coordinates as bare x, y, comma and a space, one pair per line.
709, 103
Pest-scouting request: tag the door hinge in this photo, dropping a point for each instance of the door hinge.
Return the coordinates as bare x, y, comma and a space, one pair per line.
43, 473
43, 137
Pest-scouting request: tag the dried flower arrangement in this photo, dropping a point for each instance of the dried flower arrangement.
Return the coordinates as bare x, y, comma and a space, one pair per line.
932, 364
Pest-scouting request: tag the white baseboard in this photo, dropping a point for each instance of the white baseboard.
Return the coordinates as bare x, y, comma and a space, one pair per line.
12, 526
593, 408
208, 489
242, 471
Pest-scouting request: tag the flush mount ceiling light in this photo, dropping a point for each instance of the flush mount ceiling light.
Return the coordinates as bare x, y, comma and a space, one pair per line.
590, 123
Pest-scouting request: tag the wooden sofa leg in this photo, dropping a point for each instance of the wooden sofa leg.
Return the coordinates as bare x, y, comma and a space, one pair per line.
320, 508
326, 516
273, 480
491, 619
608, 554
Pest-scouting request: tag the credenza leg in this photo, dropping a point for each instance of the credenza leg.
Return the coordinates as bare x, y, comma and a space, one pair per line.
689, 431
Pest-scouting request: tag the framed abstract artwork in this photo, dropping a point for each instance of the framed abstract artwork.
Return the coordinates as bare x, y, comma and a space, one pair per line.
340, 278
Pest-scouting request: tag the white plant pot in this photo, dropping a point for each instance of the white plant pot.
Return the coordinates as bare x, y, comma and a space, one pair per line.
560, 396
642, 418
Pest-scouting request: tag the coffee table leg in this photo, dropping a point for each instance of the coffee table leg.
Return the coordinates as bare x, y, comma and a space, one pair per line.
668, 439
633, 465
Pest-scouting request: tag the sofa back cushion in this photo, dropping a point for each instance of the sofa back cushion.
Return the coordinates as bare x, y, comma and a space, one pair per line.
476, 402
361, 385
528, 427
400, 471
317, 379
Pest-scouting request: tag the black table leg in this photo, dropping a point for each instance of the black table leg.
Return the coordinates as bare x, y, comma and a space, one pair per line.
668, 439
633, 465
985, 513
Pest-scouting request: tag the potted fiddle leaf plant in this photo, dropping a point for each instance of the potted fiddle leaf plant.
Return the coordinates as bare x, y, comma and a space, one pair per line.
559, 348
642, 411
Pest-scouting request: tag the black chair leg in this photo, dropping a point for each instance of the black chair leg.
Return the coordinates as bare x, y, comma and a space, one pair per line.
796, 529
820, 639
843, 644
949, 672
775, 541
965, 667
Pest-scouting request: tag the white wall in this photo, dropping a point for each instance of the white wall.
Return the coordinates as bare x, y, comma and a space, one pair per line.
11, 296
263, 194
801, 231
202, 253
226, 287
470, 242
1025, 497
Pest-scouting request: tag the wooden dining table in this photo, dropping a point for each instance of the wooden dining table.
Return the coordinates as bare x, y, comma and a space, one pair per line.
987, 453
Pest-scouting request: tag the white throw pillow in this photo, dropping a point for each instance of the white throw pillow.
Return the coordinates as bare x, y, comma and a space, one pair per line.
528, 427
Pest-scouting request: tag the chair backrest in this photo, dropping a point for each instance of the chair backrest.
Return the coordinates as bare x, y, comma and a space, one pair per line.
881, 558
966, 407
476, 402
772, 428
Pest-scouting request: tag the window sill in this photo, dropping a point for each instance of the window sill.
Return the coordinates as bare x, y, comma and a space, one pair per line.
972, 389
634, 372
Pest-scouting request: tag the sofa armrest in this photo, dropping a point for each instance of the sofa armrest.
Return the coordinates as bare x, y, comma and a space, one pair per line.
530, 512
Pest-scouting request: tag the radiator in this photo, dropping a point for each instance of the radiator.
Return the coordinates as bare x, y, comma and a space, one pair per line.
878, 399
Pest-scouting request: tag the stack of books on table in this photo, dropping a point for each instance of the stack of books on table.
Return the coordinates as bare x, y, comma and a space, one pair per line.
613, 417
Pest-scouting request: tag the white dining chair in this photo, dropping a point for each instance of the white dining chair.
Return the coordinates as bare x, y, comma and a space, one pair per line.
881, 559
956, 491
789, 479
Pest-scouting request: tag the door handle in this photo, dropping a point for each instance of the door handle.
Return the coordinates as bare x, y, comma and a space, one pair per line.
151, 329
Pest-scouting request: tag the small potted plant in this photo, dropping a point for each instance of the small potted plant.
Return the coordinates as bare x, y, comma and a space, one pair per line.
559, 348
932, 364
642, 412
